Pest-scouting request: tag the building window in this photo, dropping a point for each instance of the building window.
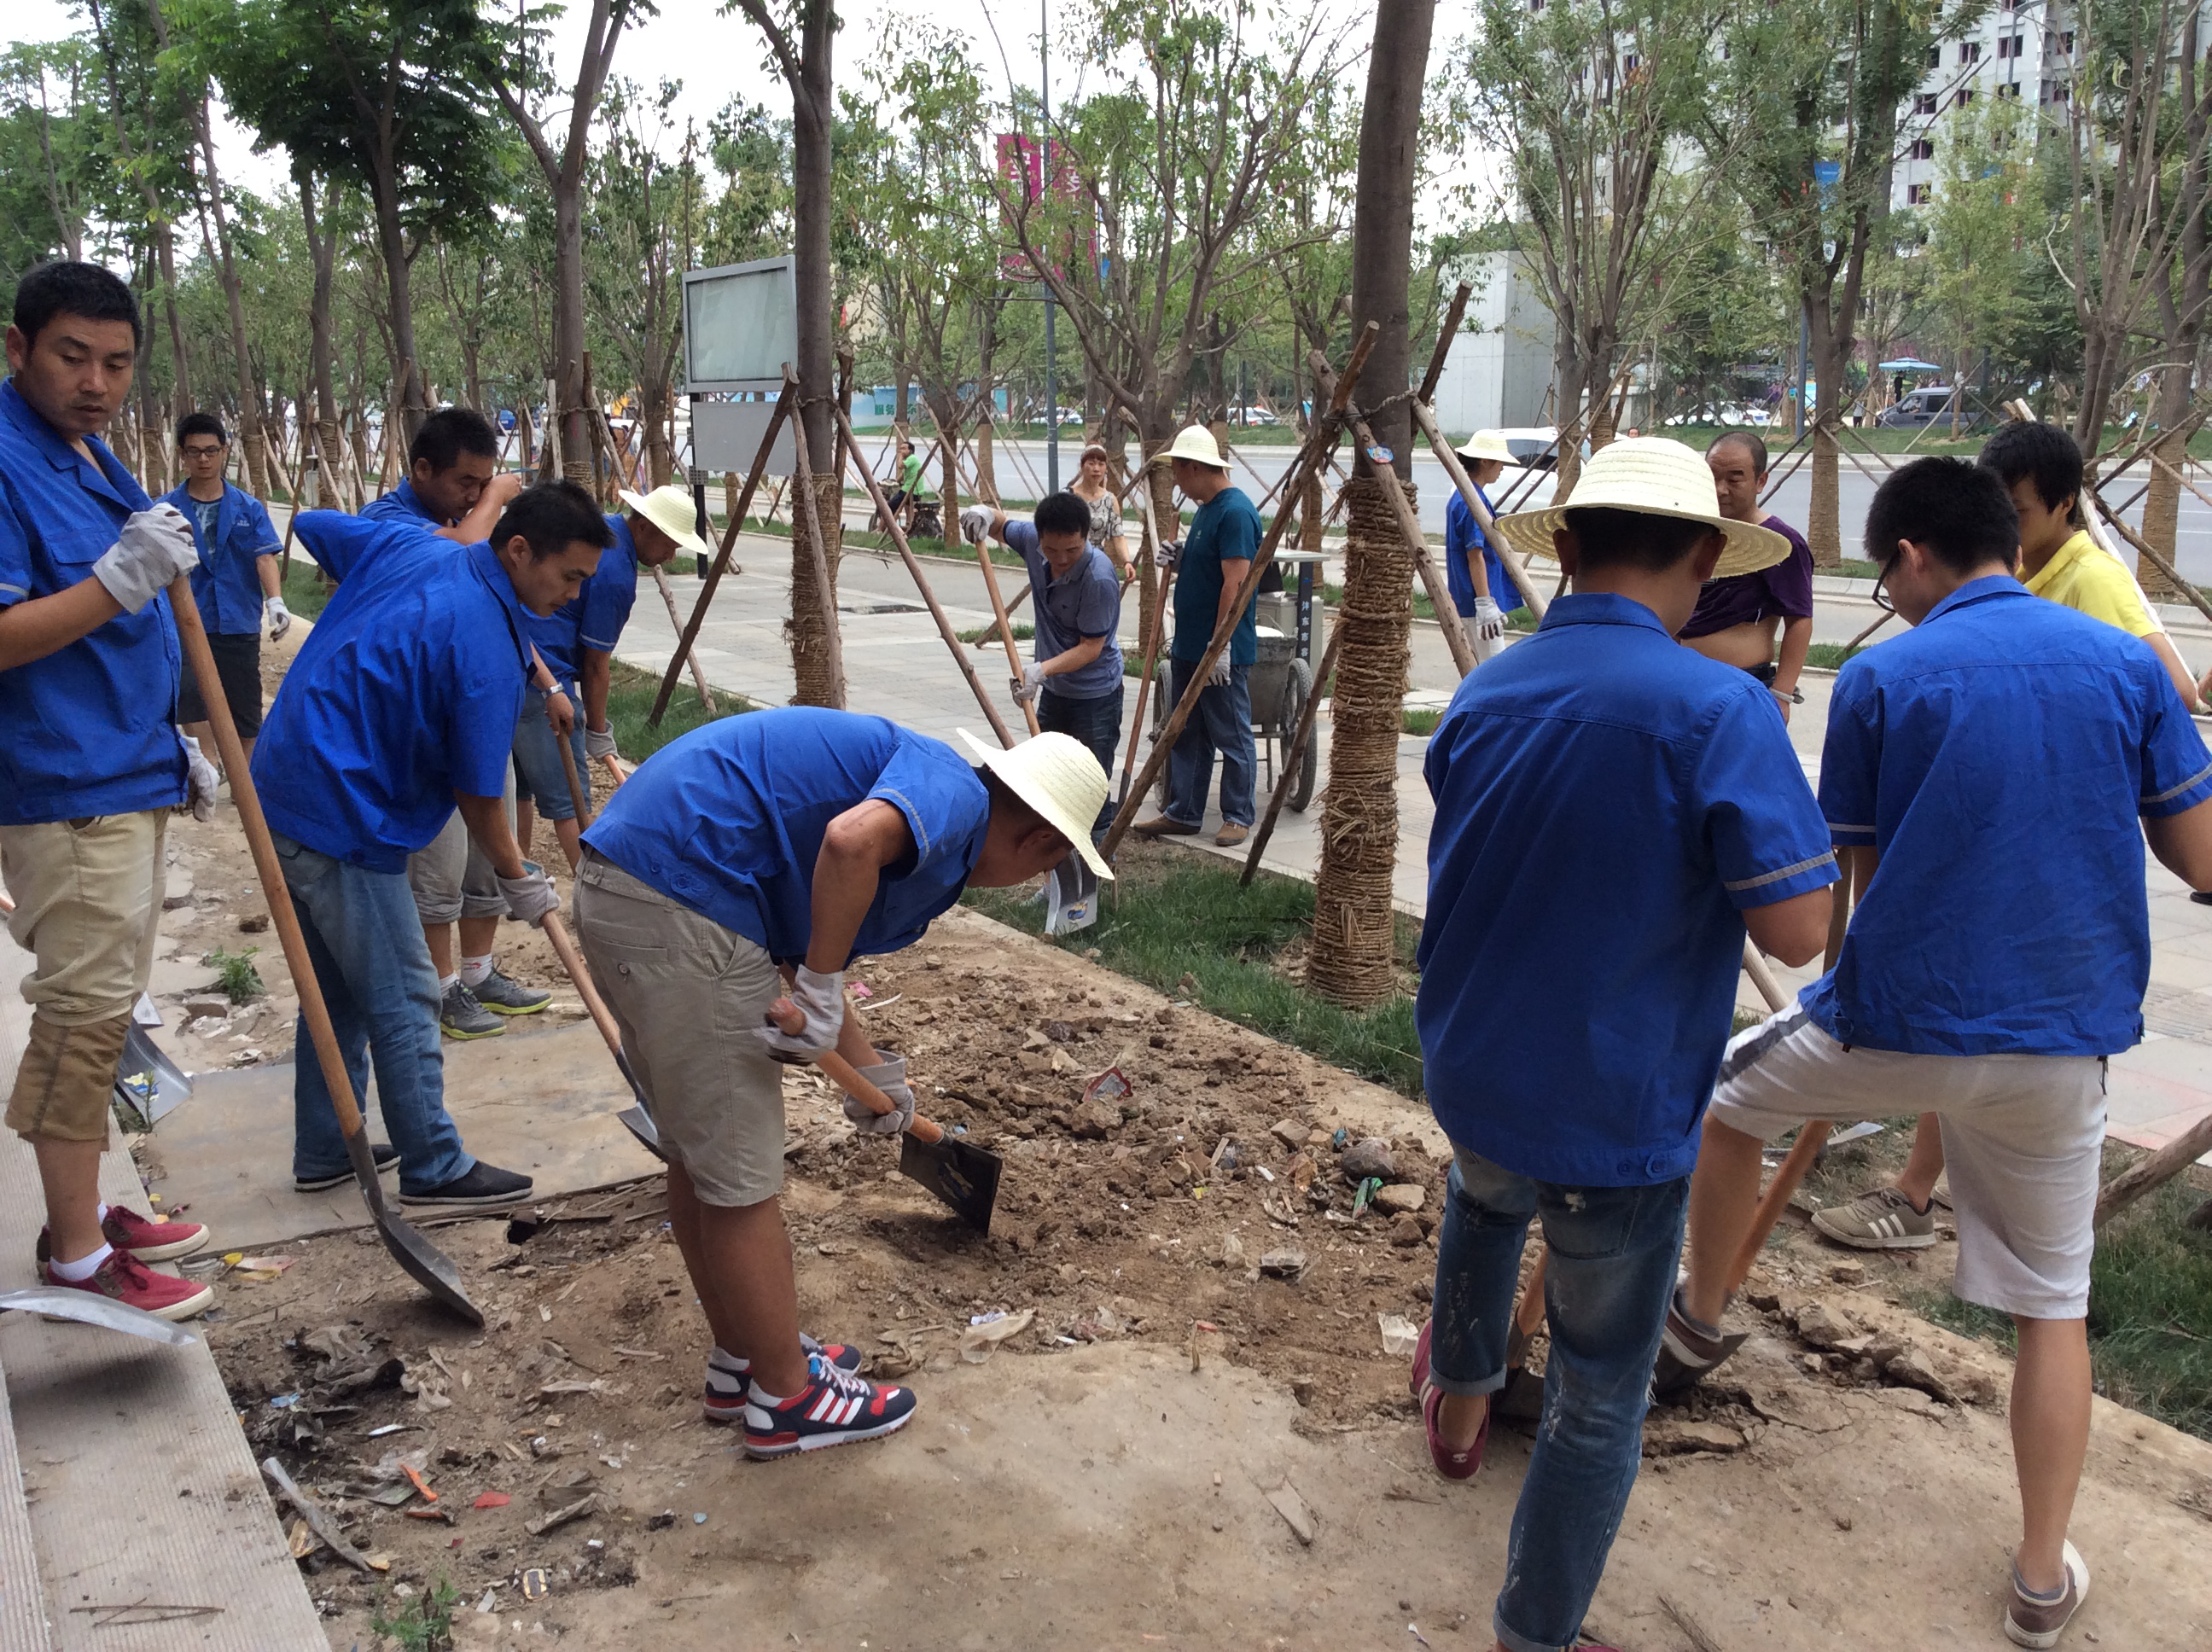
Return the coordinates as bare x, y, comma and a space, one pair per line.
1923, 103
1628, 64
1970, 51
1924, 149
2066, 43
1935, 57
1916, 195
2008, 46
2009, 89
1966, 96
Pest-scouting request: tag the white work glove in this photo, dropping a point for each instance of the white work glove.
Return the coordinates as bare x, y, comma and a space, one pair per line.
531, 896
1220, 679
200, 778
821, 1000
976, 523
1168, 552
1032, 680
154, 546
275, 617
1489, 619
598, 743
889, 1076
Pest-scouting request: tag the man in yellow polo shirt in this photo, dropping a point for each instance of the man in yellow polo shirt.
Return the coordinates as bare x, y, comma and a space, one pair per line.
2059, 561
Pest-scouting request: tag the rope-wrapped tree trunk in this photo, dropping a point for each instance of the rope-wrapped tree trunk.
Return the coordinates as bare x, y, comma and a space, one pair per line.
813, 610
1352, 960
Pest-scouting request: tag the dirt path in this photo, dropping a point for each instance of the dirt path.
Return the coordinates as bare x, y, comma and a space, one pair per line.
1103, 1479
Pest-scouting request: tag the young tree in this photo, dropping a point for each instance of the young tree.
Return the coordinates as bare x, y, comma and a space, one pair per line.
1353, 954
1984, 229
635, 276
49, 145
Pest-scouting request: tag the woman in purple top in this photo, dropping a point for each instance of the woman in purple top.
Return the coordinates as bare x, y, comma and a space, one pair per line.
1736, 619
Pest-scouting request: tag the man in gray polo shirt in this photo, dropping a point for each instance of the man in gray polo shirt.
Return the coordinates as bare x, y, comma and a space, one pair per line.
1075, 674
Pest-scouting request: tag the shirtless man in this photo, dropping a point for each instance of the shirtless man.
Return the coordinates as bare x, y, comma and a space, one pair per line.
1737, 618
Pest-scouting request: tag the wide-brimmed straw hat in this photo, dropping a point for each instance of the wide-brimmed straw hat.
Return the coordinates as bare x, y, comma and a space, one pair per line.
1486, 444
671, 509
1056, 776
1657, 476
1195, 443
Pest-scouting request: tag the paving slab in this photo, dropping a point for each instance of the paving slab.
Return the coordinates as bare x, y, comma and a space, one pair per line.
541, 1100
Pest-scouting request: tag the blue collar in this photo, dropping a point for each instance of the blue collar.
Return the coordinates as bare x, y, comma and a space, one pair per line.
33, 423
484, 563
1602, 608
406, 490
1974, 591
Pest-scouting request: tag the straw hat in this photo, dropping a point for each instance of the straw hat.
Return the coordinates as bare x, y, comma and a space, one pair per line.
1657, 476
1195, 443
1486, 444
1056, 776
669, 507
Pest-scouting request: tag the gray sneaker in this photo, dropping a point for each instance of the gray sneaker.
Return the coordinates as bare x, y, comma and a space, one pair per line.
1881, 1220
503, 996
462, 1017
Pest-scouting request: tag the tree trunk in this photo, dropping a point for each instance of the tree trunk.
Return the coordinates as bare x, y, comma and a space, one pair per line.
2162, 502
1830, 357
1570, 386
577, 422
258, 471
391, 243
814, 611
654, 405
1352, 959
1168, 520
987, 476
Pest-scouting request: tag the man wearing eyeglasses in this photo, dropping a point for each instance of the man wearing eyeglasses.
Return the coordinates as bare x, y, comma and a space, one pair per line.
237, 585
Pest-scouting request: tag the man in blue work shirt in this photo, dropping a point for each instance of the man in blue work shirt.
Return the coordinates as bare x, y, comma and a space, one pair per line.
577, 643
783, 844
1613, 813
1482, 593
1075, 671
1992, 776
400, 707
236, 584
1216, 553
91, 765
455, 488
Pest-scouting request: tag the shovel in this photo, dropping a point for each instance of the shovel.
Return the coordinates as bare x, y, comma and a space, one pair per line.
635, 1120
88, 1310
428, 1266
963, 1175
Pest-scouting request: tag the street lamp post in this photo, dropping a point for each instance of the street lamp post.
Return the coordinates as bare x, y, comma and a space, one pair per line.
1044, 178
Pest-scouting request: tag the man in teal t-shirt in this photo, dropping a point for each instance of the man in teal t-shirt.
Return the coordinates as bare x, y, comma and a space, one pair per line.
1224, 538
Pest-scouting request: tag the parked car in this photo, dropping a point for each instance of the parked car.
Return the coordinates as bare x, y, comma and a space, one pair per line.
1917, 408
1252, 415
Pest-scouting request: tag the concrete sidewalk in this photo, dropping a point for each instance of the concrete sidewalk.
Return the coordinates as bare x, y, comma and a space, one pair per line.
895, 664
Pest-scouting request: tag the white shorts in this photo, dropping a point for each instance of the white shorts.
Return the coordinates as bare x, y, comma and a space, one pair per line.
2023, 1140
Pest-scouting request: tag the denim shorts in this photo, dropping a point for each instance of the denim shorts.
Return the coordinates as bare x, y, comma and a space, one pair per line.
541, 778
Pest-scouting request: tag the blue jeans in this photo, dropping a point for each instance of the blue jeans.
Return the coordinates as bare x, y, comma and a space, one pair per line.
374, 967
538, 758
1098, 723
1221, 722
1613, 1252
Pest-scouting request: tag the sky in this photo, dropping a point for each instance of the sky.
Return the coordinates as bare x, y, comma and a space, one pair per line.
716, 57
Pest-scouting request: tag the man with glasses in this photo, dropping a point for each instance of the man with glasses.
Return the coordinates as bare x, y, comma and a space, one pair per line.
237, 584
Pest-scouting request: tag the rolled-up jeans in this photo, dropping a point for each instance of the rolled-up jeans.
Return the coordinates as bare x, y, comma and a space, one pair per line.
1612, 1257
1221, 721
544, 778
374, 967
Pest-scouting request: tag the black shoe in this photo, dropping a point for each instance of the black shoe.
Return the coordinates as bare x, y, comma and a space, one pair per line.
480, 1189
386, 1155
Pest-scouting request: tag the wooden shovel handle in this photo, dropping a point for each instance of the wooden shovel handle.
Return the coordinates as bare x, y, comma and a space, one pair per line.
580, 978
787, 1016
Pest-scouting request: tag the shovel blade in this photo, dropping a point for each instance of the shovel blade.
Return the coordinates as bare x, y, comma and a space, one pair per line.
963, 1175
1070, 896
422, 1262
640, 1124
88, 1310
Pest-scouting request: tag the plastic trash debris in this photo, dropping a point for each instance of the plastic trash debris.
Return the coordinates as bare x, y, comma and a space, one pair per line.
1399, 1334
282, 1401
698, 1520
1111, 1086
535, 1583
1286, 1264
979, 1341
491, 1500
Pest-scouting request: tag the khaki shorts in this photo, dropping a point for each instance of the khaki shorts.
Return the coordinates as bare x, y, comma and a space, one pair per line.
689, 997
2023, 1141
451, 877
88, 897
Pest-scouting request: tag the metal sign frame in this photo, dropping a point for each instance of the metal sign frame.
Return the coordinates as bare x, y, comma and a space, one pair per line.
782, 350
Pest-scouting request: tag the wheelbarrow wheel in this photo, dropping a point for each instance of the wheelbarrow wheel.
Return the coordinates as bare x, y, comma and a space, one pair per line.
1307, 762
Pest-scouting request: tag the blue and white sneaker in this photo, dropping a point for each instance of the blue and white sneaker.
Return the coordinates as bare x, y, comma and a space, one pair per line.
729, 1380
835, 1408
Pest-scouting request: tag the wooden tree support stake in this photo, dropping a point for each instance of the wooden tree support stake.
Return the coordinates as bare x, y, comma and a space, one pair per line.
1283, 782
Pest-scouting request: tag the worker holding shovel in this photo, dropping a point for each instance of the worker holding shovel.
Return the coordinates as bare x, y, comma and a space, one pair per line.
759, 855
577, 642
400, 707
1993, 775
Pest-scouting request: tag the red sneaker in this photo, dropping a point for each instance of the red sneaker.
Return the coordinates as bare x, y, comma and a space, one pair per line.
835, 1407
156, 1241
130, 1282
1452, 1464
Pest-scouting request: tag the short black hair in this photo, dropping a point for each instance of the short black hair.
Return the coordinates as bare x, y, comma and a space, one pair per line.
2029, 447
202, 424
67, 287
1751, 443
552, 516
448, 434
1062, 513
1619, 538
1961, 512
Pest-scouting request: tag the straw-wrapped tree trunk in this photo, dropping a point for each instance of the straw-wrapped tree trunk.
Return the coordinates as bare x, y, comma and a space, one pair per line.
1351, 960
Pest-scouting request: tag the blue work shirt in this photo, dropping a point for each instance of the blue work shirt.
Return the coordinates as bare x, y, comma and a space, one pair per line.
1083, 603
227, 584
728, 821
405, 692
593, 618
89, 728
402, 504
1225, 529
1999, 755
1462, 533
1608, 803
